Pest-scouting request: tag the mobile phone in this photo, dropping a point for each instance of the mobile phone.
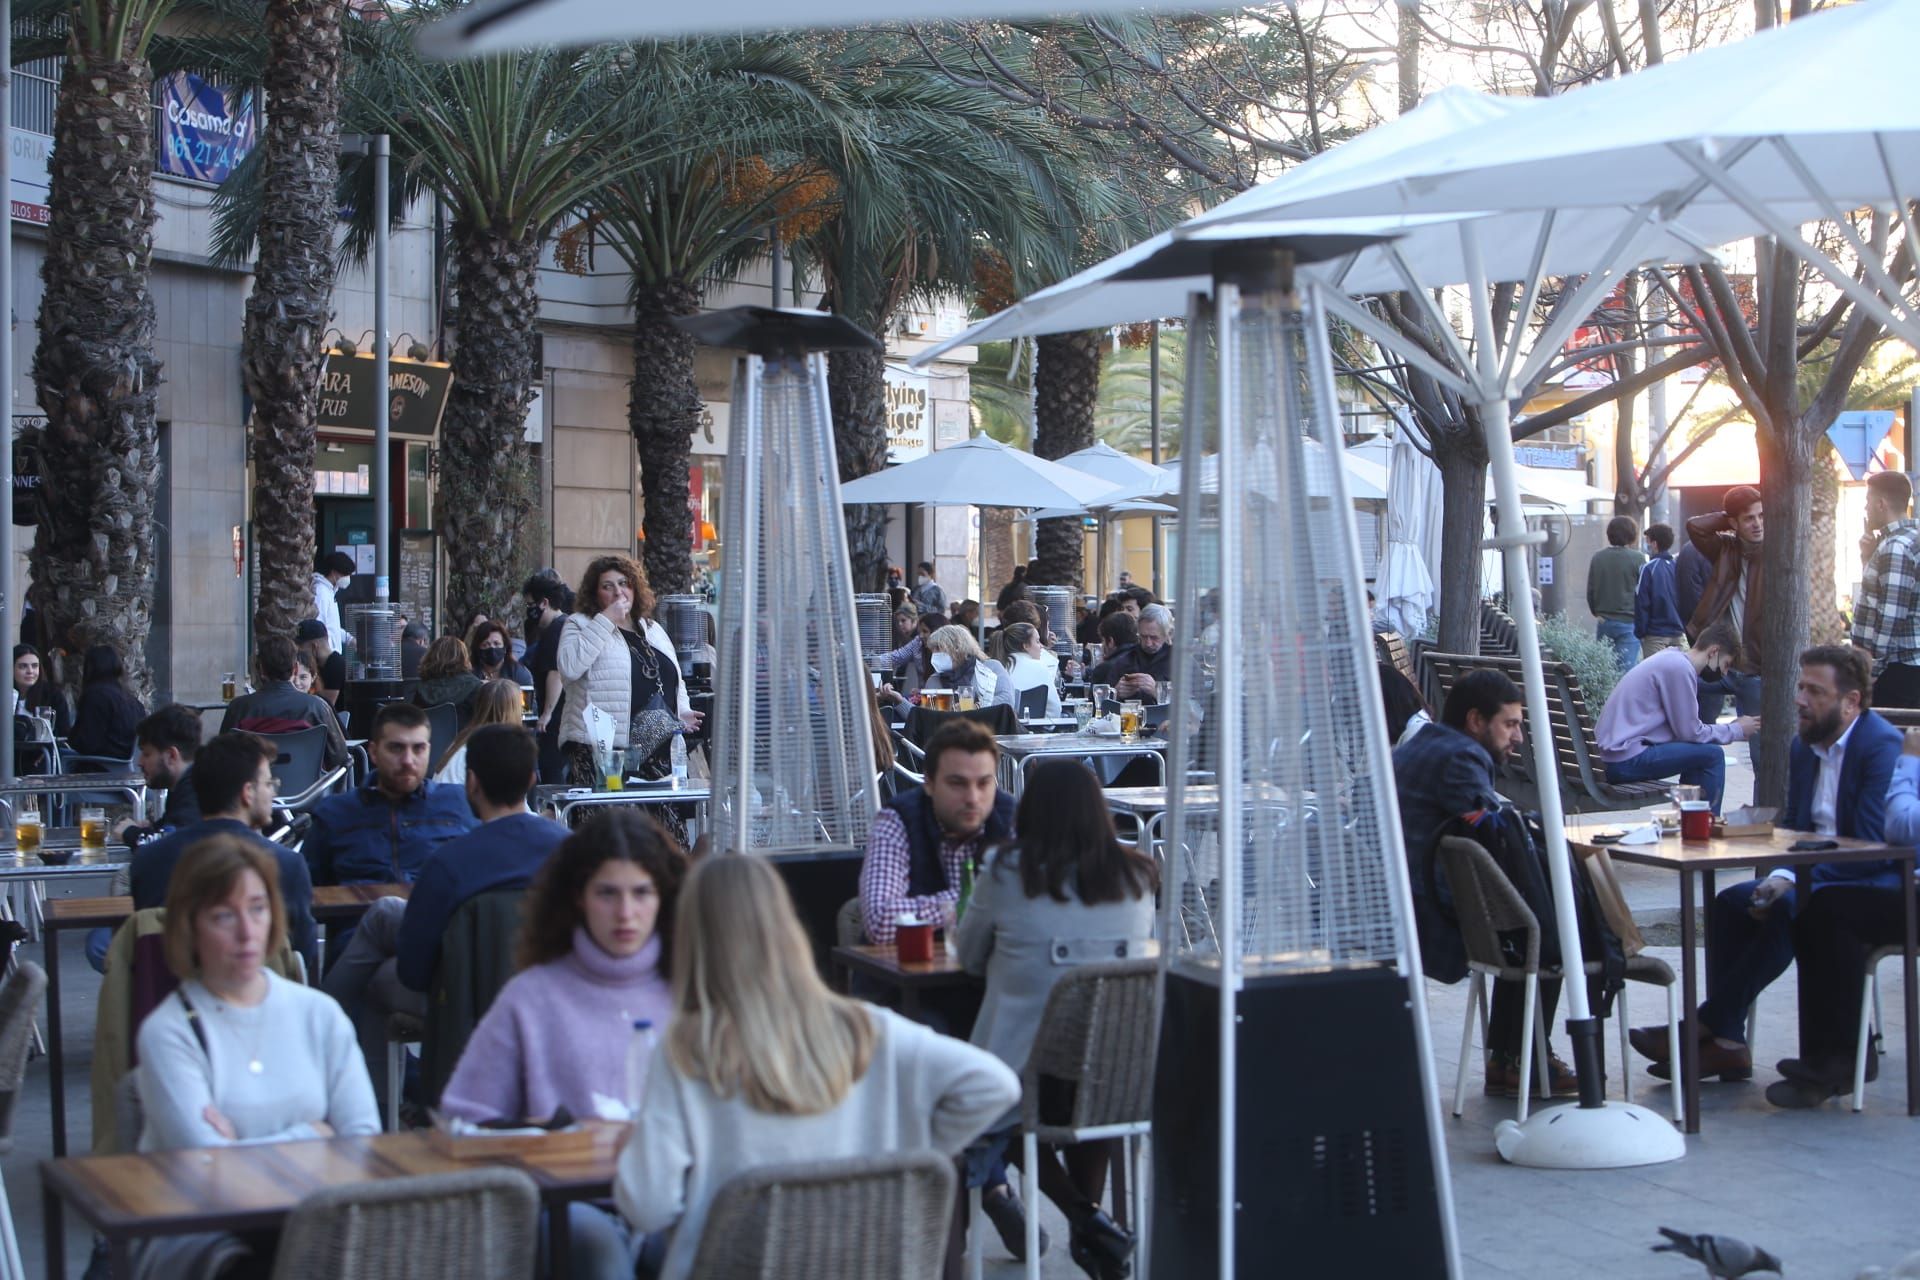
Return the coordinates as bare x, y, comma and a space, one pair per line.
1812, 846
1608, 837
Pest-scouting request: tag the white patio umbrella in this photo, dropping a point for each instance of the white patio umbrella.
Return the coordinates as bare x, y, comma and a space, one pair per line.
1366, 480
1404, 585
1133, 477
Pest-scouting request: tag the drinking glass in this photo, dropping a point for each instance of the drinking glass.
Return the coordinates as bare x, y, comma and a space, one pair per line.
93, 826
26, 827
1685, 794
1082, 716
229, 686
1102, 695
1130, 717
963, 700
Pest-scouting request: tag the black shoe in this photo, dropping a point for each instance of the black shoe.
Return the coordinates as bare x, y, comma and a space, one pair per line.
1101, 1247
1837, 1072
1003, 1209
1799, 1095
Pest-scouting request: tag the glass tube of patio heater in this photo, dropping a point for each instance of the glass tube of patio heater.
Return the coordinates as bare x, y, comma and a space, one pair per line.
793, 762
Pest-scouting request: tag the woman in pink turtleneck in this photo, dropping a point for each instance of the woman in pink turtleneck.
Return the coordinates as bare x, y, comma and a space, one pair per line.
594, 946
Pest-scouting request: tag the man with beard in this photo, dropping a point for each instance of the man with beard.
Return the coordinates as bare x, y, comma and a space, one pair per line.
382, 833
1842, 763
1445, 779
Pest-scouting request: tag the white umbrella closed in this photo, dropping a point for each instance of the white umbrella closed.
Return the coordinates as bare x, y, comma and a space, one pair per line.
1403, 585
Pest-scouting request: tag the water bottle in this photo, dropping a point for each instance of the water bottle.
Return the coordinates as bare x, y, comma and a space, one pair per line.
639, 1055
678, 753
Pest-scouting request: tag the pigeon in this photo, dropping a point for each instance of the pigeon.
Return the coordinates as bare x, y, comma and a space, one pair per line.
1724, 1257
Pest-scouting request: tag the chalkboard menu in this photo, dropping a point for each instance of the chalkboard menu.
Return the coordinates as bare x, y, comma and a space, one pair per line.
415, 592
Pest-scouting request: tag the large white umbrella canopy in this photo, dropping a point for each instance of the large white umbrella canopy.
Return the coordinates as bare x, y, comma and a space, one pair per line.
1132, 477
980, 472
1367, 481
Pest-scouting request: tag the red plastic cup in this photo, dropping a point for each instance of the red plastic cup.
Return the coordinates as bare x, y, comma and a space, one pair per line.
1696, 821
913, 941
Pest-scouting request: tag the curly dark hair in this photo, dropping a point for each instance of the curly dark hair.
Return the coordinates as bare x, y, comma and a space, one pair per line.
552, 910
588, 599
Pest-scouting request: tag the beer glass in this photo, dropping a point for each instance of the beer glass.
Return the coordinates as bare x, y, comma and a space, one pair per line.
93, 826
1130, 717
26, 827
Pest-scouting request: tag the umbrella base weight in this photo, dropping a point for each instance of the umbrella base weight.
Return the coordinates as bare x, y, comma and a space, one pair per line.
1334, 1158
1617, 1135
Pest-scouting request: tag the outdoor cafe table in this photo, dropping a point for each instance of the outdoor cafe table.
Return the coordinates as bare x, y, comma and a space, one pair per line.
910, 978
131, 785
1742, 853
331, 903
1021, 751
560, 800
254, 1187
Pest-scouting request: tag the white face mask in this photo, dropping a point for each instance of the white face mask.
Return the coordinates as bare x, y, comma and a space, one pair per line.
922, 579
943, 662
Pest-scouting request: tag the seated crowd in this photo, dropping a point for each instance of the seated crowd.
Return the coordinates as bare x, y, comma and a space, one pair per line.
1850, 775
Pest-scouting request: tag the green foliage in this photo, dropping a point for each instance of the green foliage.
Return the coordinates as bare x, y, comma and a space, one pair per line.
1591, 658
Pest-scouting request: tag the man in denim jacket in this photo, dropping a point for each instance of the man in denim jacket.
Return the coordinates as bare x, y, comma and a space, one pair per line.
382, 833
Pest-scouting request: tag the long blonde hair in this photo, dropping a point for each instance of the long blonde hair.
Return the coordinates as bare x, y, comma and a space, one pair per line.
494, 702
751, 1015
957, 643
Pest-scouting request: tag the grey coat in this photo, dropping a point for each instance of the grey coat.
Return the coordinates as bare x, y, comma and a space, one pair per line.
1024, 945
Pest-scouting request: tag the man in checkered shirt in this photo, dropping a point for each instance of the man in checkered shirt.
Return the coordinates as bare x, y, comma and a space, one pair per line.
1886, 617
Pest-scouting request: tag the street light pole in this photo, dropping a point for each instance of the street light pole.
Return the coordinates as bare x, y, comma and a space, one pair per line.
8, 609
382, 383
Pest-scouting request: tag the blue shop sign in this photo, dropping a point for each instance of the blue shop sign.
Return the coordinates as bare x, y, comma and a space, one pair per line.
203, 135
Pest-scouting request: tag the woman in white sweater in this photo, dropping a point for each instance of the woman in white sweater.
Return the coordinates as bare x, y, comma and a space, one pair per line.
237, 1053
762, 1064
614, 657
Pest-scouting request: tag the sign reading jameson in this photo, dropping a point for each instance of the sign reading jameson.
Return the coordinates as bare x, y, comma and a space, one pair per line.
202, 135
416, 395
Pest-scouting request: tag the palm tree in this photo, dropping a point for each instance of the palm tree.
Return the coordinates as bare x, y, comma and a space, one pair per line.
509, 144
94, 371
292, 297
683, 219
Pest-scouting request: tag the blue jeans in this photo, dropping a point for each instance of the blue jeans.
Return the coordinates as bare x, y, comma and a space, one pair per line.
1745, 689
1744, 955
1626, 645
1701, 764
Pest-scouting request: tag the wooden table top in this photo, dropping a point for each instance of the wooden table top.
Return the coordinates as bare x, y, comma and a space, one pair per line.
884, 962
247, 1187
1674, 853
328, 900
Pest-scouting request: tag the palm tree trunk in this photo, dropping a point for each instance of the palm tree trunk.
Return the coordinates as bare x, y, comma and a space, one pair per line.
94, 371
857, 395
1066, 386
487, 487
292, 299
663, 414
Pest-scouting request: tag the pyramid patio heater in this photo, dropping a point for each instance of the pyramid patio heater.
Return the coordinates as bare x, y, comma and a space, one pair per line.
1295, 1090
793, 764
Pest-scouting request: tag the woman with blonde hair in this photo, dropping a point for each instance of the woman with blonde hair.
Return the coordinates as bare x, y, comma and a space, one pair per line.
495, 702
959, 663
763, 1064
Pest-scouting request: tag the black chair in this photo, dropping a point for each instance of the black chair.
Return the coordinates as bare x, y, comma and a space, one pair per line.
924, 722
1033, 702
299, 769
443, 726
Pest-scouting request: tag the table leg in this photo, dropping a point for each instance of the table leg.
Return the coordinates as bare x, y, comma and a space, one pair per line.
56, 1048
559, 1239
52, 1222
120, 1259
1688, 1066
1912, 993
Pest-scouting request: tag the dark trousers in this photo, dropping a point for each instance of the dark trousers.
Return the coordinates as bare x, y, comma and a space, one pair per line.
1897, 686
1744, 955
1506, 1030
1831, 941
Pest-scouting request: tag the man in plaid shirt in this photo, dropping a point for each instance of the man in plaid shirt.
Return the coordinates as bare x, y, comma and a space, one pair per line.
1886, 617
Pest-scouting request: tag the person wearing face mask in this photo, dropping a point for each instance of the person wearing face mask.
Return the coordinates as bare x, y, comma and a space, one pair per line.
593, 959
927, 593
958, 663
1651, 726
329, 580
492, 651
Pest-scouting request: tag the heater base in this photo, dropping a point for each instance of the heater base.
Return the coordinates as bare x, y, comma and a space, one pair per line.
1618, 1135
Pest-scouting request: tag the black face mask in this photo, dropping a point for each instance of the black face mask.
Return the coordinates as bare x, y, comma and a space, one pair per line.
492, 656
533, 620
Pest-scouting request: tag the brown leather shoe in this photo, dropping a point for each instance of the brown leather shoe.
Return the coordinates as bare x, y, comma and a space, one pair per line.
1731, 1065
1651, 1042
1503, 1078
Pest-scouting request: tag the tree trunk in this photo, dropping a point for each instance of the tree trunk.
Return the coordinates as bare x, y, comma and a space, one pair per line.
292, 300
1786, 484
1462, 460
1066, 390
1407, 55
487, 485
857, 395
94, 371
1824, 622
663, 413
997, 534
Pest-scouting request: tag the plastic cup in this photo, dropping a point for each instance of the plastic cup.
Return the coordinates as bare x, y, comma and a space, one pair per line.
913, 940
1696, 820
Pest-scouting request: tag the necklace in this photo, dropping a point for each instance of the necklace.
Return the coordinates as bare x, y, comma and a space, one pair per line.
250, 1043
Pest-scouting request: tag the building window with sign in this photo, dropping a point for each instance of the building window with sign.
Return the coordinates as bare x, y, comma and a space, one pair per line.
204, 131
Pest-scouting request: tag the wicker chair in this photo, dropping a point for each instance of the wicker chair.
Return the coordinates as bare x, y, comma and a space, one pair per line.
19, 1003
1100, 1033
868, 1218
479, 1224
1488, 905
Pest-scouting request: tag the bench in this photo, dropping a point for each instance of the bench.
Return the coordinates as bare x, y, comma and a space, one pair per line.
1498, 632
1390, 648
1583, 775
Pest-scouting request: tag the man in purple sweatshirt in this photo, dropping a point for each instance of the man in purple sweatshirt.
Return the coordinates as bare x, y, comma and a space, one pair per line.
1651, 726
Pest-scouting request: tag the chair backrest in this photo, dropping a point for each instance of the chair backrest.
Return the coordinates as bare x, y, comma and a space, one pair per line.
443, 726
924, 722
869, 1218
1100, 1033
19, 1005
478, 1224
1486, 903
476, 959
1033, 702
850, 924
300, 759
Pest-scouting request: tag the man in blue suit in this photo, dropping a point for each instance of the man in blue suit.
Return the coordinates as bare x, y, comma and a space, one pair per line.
1841, 765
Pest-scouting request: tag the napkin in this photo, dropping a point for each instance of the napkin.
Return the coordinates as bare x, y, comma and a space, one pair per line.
1645, 833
